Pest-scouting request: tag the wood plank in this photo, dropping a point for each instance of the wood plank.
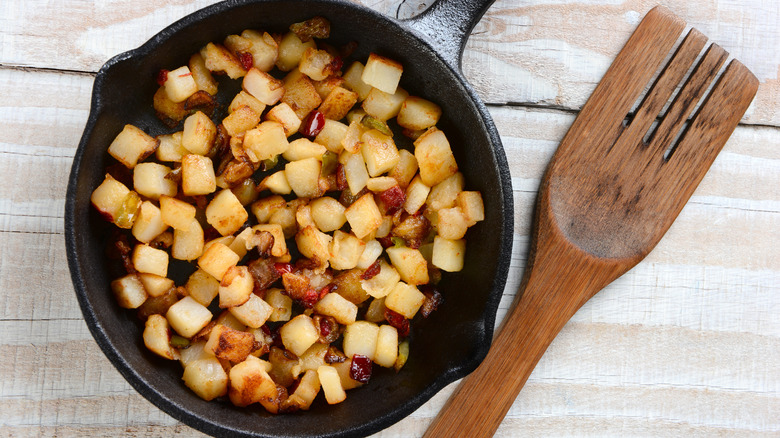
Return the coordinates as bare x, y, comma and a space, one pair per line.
549, 53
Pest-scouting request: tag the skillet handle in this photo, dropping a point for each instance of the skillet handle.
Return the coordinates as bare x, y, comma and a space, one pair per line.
447, 24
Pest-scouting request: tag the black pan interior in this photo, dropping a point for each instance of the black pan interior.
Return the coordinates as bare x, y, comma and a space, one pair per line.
444, 347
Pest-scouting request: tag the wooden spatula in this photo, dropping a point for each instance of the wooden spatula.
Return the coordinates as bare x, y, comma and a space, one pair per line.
614, 186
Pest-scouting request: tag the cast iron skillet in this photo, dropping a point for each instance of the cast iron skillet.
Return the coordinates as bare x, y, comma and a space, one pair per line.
445, 347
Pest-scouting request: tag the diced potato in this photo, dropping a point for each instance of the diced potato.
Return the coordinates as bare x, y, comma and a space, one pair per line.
131, 146
206, 378
325, 86
149, 180
303, 148
417, 113
382, 73
228, 344
148, 223
284, 115
265, 141
109, 197
332, 135
434, 157
306, 392
254, 313
382, 284
338, 307
199, 133
411, 265
315, 64
345, 250
355, 171
385, 227
299, 334
371, 252
416, 194
219, 59
312, 359
300, 93
150, 260
405, 299
187, 317
281, 305
193, 352
343, 368
170, 148
363, 215
314, 244
156, 285
225, 213
360, 338
331, 384
448, 255
263, 86
236, 287
188, 244
327, 213
264, 208
337, 104
217, 259
443, 194
386, 346
225, 240
381, 183
179, 84
291, 49
129, 291
228, 320
353, 79
384, 106
264, 49
157, 337
168, 111
405, 169
201, 74
245, 99
352, 141
285, 217
279, 249
250, 383
470, 204
277, 183
452, 223
202, 287
304, 176
240, 121
176, 213
197, 175
379, 152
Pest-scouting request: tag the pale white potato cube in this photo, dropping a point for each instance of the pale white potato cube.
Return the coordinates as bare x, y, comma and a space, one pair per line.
264, 208
285, 217
188, 244
405, 169
281, 305
202, 287
225, 240
245, 99
131, 146
405, 299
149, 179
236, 287
150, 260
384, 106
331, 384
304, 176
444, 194
470, 204
187, 317
386, 346
410, 264
452, 223
129, 291
179, 84
254, 313
217, 58
332, 135
314, 63
381, 183
170, 148
263, 86
382, 73
264, 49
314, 244
176, 213
225, 213
337, 103
416, 194
385, 227
240, 121
279, 248
353, 79
307, 390
192, 353
299, 334
338, 307
156, 285
148, 223
109, 196
371, 252
265, 141
327, 213
434, 157
447, 254
277, 183
345, 250
291, 49
379, 152
355, 171
352, 137
197, 175
303, 148
363, 215
206, 378
285, 115
417, 113
360, 338
381, 284
157, 337
201, 74
217, 259
198, 134
242, 242
228, 320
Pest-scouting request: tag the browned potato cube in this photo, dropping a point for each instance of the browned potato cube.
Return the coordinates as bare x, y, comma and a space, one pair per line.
325, 86
179, 84
199, 133
168, 111
245, 99
201, 74
327, 213
236, 287
443, 195
452, 223
363, 216
220, 59
202, 287
225, 213
416, 194
131, 146
338, 103
279, 249
405, 169
300, 93
228, 344
176, 213
109, 197
448, 255
305, 393
315, 64
157, 337
470, 203
434, 157
314, 244
277, 183
250, 383
299, 334
264, 49
417, 113
264, 208
156, 285
332, 135
129, 291
410, 264
338, 307
405, 299
304, 177
217, 259
150, 260
240, 121
170, 148
197, 175
285, 115
382, 73
254, 313
263, 86
280, 303
265, 141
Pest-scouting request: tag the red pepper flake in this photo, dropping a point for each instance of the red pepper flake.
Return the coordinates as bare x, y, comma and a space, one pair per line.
162, 76
324, 328
283, 268
312, 124
371, 271
310, 298
361, 368
398, 321
393, 198
185, 75
327, 289
247, 60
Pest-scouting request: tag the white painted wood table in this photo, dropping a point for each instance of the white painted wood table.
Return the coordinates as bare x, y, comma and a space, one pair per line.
687, 343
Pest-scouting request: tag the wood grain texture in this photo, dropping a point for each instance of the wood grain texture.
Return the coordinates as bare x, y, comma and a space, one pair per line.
684, 344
